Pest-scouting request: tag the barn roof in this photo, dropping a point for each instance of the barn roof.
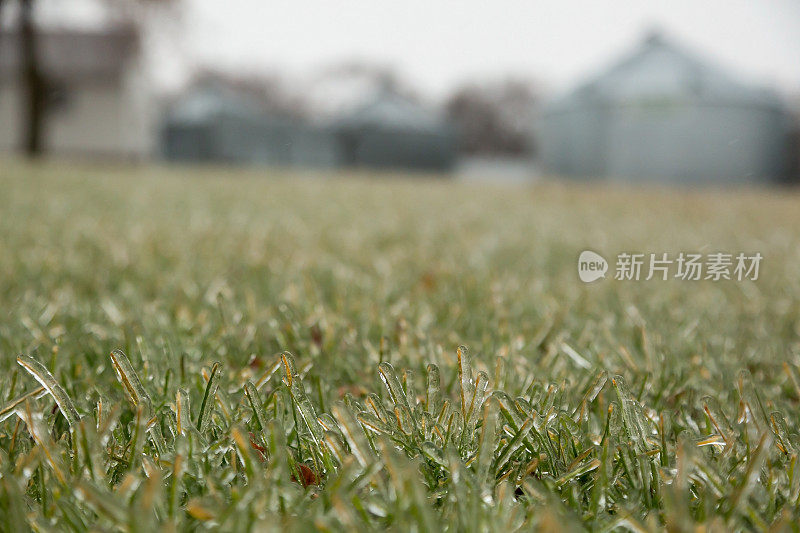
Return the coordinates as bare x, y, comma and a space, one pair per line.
208, 102
386, 110
100, 55
661, 70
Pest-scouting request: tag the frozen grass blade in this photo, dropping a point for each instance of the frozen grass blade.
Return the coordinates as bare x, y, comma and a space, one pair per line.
243, 450
256, 405
512, 446
301, 400
434, 396
631, 415
392, 383
149, 504
46, 379
578, 470
207, 405
273, 367
781, 431
41, 437
306, 409
130, 380
375, 405
138, 396
591, 393
353, 434
751, 474
373, 423
467, 387
487, 447
720, 422
183, 414
102, 502
9, 409
478, 393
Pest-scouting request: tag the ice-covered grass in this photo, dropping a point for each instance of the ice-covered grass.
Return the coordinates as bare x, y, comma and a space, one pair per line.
184, 349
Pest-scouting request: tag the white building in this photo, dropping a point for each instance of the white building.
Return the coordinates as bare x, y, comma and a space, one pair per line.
662, 114
98, 103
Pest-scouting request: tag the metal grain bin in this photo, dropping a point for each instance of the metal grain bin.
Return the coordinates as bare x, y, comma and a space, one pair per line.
213, 124
661, 114
389, 131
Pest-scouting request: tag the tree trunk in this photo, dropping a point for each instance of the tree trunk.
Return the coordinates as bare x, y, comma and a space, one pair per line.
2, 2
32, 83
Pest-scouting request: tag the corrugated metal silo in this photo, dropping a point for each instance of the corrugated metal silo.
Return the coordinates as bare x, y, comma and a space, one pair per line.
390, 131
213, 124
663, 115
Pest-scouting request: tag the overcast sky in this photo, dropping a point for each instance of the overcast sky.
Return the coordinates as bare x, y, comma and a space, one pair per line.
436, 44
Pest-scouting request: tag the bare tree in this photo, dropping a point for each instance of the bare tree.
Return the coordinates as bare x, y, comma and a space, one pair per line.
494, 118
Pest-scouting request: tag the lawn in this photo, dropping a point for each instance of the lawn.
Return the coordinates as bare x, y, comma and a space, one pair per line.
288, 355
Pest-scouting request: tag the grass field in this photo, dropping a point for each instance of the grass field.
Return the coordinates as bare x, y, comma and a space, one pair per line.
610, 405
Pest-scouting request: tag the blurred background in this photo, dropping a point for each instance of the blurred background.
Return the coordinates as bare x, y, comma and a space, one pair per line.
686, 92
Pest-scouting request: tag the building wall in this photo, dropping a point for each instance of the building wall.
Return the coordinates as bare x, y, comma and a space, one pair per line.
684, 142
186, 142
315, 148
572, 141
398, 149
694, 143
140, 119
261, 140
97, 119
10, 118
793, 149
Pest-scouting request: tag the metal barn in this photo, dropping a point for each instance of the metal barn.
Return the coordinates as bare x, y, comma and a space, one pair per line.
390, 131
216, 125
663, 115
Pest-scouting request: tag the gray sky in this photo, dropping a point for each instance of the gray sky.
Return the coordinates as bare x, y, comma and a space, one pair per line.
436, 44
